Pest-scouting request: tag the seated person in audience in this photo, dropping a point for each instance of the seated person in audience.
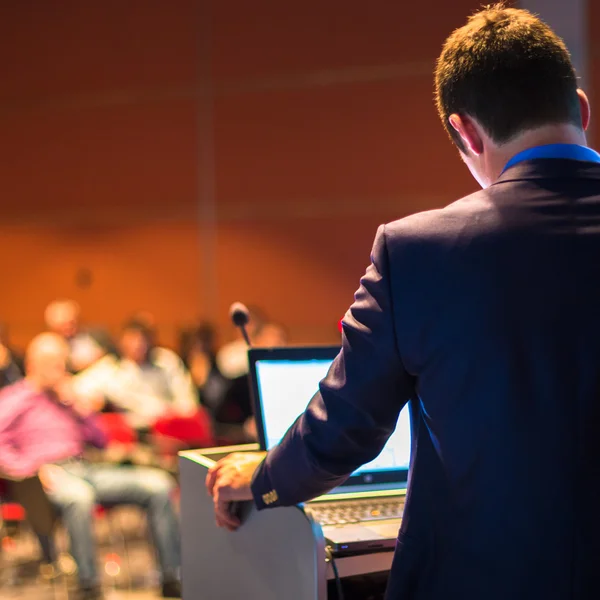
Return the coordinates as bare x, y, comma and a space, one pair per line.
271, 335
149, 382
198, 352
147, 318
15, 353
62, 318
232, 358
10, 369
44, 427
94, 379
236, 408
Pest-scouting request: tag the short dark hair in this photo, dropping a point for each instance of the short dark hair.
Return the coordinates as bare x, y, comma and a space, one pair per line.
142, 327
201, 338
510, 71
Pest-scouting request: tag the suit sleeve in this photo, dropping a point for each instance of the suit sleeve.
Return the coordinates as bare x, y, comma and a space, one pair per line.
349, 420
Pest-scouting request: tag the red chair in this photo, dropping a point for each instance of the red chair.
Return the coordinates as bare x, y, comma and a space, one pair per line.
11, 511
171, 434
194, 431
116, 429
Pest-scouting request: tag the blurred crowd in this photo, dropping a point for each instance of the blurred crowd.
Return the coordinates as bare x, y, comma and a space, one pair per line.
133, 375
98, 421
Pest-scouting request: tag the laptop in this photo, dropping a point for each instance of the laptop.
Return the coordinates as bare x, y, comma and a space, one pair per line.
364, 513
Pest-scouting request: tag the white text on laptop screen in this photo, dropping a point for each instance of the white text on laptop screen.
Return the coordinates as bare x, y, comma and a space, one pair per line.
286, 387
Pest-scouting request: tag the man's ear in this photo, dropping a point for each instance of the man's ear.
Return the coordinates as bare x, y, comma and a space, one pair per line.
584, 105
468, 133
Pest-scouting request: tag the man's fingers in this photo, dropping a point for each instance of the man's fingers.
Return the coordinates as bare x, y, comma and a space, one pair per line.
228, 481
230, 523
226, 523
214, 472
223, 514
211, 477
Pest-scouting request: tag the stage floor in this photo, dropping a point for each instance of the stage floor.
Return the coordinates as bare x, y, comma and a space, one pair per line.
37, 592
122, 541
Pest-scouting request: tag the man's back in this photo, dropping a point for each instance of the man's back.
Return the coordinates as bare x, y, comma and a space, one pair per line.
484, 316
495, 303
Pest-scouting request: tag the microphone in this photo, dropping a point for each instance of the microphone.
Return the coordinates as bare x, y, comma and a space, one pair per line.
240, 316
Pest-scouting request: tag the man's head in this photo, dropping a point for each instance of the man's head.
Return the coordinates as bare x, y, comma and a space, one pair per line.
503, 75
46, 360
136, 342
62, 317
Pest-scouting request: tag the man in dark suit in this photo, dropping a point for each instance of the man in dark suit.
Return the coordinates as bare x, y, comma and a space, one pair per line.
485, 316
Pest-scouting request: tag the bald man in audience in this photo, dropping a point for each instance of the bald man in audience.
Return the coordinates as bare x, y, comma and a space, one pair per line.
44, 428
62, 317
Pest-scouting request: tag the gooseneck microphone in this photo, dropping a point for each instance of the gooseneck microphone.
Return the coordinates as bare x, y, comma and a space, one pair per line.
240, 316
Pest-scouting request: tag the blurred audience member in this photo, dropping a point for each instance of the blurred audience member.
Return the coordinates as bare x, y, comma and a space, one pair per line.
16, 355
198, 351
149, 382
271, 335
9, 371
95, 379
44, 427
232, 358
62, 318
146, 318
236, 408
203, 338
11, 364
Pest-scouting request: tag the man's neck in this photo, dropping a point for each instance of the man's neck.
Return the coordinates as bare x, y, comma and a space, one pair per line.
549, 134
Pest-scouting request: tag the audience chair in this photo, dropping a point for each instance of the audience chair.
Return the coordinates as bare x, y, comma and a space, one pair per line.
171, 434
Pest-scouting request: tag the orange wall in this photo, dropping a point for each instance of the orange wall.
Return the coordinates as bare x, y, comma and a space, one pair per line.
191, 153
129, 272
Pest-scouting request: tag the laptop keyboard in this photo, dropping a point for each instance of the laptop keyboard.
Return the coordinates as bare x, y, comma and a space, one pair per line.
355, 511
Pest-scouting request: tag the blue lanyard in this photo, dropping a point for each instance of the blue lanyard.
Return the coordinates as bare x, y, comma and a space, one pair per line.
564, 151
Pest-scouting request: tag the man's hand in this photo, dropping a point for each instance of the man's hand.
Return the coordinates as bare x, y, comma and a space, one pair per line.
229, 481
82, 402
64, 391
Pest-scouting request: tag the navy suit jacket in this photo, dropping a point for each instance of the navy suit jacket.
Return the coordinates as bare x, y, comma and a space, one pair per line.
485, 316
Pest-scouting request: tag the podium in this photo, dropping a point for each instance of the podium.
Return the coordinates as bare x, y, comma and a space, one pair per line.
276, 554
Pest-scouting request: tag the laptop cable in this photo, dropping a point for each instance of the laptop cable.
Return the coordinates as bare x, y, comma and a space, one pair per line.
338, 582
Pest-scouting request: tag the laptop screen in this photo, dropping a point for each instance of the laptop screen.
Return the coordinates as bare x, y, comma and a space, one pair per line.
285, 379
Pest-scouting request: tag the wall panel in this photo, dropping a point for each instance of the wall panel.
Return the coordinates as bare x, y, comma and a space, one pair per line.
194, 152
138, 267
